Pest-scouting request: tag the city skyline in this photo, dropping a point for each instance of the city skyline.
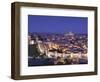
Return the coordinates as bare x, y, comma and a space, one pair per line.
57, 24
57, 40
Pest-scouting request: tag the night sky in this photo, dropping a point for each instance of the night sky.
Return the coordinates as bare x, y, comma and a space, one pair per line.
57, 24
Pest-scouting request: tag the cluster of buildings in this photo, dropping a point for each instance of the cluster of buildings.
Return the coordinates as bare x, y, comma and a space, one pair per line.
65, 45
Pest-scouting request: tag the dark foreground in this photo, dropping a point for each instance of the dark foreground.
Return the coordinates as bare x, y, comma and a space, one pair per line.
51, 61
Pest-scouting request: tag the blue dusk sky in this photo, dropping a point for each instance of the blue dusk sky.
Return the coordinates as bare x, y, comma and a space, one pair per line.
57, 24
